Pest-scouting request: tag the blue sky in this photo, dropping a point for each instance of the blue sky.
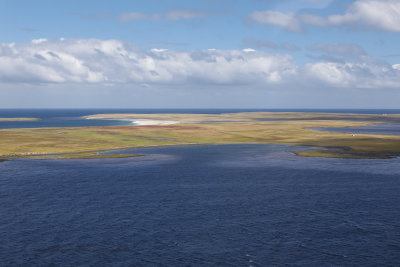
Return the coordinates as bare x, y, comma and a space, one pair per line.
205, 53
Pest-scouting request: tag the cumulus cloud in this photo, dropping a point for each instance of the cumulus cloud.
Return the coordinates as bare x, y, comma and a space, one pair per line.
112, 61
105, 62
362, 14
375, 14
348, 65
172, 14
353, 75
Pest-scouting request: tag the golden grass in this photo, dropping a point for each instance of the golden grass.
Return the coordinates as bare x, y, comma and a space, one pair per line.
19, 119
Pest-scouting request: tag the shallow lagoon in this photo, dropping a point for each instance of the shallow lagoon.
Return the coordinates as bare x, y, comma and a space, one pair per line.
201, 205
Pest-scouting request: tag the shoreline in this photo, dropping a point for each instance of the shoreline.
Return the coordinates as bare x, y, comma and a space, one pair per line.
138, 122
59, 156
314, 151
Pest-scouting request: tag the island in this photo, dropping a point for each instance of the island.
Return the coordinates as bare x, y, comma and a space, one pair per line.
290, 128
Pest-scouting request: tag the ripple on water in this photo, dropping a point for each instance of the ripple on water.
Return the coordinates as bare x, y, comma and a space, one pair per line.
200, 205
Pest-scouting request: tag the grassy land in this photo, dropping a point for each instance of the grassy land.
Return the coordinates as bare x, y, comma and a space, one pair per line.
19, 119
251, 117
83, 155
292, 129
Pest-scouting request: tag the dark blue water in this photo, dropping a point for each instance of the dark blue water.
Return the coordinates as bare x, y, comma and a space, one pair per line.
73, 117
229, 205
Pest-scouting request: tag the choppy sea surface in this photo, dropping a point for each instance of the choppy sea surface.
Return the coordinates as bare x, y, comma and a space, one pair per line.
224, 205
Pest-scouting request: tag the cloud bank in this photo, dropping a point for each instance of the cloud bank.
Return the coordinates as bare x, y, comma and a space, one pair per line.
362, 14
112, 61
93, 61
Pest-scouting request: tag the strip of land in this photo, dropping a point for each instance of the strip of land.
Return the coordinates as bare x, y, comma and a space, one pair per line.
135, 121
291, 128
82, 155
19, 119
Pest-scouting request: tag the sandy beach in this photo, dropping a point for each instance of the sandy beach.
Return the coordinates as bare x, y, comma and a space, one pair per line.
152, 122
139, 122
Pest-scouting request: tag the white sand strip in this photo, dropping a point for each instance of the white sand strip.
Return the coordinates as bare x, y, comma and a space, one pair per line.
153, 122
139, 122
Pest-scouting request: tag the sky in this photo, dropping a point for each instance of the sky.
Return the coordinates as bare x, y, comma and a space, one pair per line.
200, 54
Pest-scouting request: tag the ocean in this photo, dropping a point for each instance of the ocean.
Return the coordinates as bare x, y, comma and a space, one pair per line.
224, 205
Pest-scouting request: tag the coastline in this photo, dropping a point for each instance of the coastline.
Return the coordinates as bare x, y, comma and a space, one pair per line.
139, 122
92, 154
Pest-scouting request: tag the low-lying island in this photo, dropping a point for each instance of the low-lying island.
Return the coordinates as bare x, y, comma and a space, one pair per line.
291, 128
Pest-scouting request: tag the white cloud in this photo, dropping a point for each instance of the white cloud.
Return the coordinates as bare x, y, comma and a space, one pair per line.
106, 62
354, 75
374, 14
287, 21
362, 14
112, 61
158, 50
38, 41
332, 73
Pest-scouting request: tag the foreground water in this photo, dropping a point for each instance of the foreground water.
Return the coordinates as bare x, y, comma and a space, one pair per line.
229, 205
